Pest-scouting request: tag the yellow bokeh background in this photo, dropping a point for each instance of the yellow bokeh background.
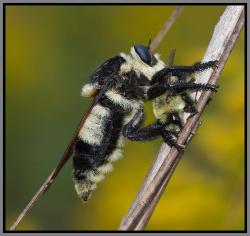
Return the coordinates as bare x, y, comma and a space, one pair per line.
50, 53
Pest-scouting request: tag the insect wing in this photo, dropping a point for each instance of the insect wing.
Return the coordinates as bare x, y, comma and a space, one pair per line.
70, 147
170, 60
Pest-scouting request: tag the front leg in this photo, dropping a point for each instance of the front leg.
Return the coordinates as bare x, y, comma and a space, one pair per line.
179, 70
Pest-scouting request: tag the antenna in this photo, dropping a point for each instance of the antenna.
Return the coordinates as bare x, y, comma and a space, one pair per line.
150, 40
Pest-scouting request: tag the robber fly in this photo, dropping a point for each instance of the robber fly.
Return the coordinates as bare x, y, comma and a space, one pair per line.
120, 86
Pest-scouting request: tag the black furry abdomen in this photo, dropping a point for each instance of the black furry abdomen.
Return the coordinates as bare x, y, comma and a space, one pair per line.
92, 156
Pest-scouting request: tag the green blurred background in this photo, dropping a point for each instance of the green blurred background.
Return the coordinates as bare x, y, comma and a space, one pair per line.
50, 53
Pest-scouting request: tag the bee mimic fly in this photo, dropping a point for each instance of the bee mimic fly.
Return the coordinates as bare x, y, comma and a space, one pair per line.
120, 86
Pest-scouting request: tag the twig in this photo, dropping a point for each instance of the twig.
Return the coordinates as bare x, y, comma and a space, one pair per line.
31, 203
137, 217
166, 27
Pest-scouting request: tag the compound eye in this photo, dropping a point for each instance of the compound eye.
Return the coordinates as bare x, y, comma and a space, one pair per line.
176, 119
143, 53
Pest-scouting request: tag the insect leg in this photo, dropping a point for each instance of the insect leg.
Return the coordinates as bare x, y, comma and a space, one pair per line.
133, 131
151, 132
208, 101
170, 141
181, 86
157, 90
190, 103
147, 133
179, 70
191, 69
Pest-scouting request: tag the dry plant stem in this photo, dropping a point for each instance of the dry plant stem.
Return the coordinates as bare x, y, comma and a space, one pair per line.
47, 183
32, 201
166, 27
155, 182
